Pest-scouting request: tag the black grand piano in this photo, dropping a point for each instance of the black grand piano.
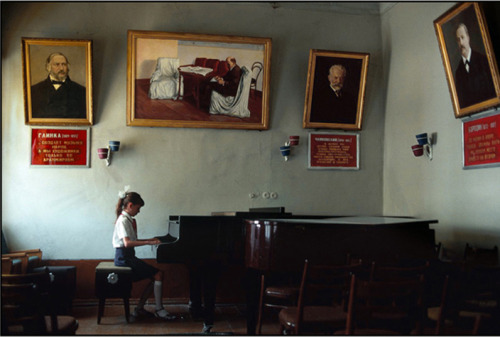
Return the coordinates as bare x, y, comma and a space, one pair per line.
267, 242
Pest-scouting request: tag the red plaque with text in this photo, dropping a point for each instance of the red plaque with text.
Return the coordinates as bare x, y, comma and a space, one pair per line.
334, 151
481, 142
60, 147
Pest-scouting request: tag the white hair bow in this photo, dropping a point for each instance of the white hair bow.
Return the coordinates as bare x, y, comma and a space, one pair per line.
123, 193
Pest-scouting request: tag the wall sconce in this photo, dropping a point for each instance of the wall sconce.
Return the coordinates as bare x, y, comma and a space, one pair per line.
286, 149
424, 146
105, 152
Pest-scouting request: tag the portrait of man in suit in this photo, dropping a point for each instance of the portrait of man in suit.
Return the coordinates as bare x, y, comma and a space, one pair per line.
331, 102
228, 84
57, 96
468, 55
335, 91
473, 80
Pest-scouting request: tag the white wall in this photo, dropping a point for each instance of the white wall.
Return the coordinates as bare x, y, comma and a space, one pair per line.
69, 213
466, 202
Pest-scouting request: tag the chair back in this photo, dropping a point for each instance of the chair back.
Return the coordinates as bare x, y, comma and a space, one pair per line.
212, 63
166, 67
11, 265
222, 69
21, 310
324, 285
471, 301
28, 259
476, 256
399, 272
385, 306
256, 70
42, 281
200, 61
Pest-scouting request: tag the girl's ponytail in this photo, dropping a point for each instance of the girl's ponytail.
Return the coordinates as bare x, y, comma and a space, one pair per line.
132, 197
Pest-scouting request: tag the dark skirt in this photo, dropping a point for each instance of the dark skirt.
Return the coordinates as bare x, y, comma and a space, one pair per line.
125, 257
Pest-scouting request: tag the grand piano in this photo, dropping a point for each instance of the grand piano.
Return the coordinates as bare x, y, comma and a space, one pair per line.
271, 242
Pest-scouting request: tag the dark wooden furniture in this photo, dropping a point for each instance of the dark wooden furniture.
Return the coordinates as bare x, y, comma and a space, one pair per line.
28, 307
266, 243
470, 302
277, 291
283, 244
385, 307
194, 83
112, 282
322, 300
256, 70
479, 256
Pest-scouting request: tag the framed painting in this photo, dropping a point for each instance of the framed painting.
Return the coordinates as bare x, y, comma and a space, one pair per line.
57, 77
198, 81
468, 58
335, 90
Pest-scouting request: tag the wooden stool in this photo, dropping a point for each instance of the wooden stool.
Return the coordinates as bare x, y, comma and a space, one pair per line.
112, 282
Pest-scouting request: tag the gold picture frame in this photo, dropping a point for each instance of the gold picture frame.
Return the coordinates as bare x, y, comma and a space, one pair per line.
463, 30
68, 102
169, 78
342, 107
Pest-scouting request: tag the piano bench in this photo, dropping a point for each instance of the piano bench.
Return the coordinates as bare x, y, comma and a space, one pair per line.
112, 282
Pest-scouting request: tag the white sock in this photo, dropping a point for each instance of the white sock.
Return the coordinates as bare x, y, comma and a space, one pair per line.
158, 290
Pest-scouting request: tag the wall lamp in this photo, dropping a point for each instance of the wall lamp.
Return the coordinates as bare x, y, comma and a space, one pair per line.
286, 149
105, 152
424, 146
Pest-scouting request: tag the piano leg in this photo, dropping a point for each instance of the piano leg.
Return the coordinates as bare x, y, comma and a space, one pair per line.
203, 278
252, 286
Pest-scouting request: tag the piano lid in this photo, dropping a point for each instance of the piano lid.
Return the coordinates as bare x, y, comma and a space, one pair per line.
351, 220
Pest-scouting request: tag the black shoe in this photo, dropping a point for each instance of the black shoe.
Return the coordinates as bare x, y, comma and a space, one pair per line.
140, 313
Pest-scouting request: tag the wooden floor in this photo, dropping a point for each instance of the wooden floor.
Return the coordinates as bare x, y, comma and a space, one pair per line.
229, 320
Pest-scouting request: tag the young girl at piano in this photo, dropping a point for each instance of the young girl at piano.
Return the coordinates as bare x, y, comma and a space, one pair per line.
124, 241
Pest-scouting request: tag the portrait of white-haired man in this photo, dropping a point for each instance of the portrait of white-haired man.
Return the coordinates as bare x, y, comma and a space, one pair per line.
58, 96
331, 103
473, 80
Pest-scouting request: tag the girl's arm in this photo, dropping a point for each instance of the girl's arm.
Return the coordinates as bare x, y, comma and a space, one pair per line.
142, 242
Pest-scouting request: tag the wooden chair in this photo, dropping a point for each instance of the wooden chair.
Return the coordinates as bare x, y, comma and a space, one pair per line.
476, 256
277, 291
11, 265
400, 272
28, 259
470, 303
256, 70
27, 307
384, 307
322, 300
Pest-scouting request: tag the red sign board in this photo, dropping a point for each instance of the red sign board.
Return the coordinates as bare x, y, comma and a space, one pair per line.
59, 147
333, 151
481, 139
